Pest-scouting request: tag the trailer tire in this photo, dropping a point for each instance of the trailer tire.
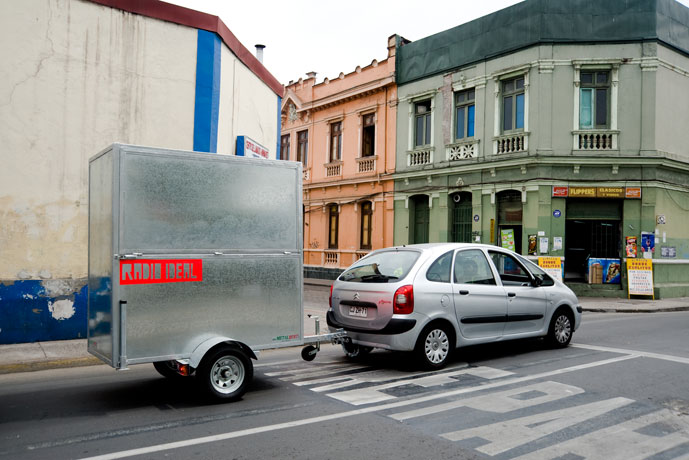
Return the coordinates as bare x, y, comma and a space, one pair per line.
225, 373
167, 369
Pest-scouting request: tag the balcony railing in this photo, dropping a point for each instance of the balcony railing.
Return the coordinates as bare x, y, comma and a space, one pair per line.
462, 150
420, 157
595, 140
510, 143
332, 258
366, 164
333, 169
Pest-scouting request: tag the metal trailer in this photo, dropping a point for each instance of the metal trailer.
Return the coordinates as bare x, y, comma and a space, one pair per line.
195, 263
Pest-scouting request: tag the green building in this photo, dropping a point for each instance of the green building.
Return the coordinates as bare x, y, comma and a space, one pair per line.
562, 125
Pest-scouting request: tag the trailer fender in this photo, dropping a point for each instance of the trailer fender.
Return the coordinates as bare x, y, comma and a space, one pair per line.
203, 348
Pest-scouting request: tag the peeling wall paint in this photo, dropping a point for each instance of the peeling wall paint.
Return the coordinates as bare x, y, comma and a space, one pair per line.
36, 310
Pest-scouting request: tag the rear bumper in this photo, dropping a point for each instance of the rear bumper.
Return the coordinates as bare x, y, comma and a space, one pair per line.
395, 326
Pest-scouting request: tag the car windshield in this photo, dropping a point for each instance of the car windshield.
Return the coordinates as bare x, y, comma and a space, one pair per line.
381, 267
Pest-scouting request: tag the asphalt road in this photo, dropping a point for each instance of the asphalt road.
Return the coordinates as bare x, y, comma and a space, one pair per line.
621, 390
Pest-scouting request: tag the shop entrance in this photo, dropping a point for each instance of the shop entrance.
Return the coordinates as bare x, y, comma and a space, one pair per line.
592, 230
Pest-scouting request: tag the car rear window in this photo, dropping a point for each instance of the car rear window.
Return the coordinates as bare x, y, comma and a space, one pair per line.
381, 267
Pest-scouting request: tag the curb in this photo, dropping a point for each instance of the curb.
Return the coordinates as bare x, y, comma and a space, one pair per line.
635, 310
52, 364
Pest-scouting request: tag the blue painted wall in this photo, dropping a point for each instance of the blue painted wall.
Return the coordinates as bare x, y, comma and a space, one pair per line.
25, 314
207, 102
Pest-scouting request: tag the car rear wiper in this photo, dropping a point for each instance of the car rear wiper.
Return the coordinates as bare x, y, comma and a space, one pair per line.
377, 277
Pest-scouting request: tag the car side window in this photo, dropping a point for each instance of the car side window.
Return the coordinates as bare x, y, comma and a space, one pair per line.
538, 272
511, 272
439, 271
472, 267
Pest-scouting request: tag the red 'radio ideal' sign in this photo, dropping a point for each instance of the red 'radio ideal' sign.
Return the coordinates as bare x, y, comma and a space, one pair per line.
151, 271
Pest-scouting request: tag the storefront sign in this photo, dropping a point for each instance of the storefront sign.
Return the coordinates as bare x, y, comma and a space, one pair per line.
507, 239
633, 192
559, 191
597, 192
153, 271
247, 147
492, 231
640, 276
552, 266
604, 271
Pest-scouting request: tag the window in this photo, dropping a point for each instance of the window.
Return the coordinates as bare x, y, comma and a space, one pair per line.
513, 104
334, 217
439, 270
366, 220
368, 136
460, 217
302, 146
511, 272
472, 267
335, 141
284, 147
594, 100
464, 114
422, 123
381, 267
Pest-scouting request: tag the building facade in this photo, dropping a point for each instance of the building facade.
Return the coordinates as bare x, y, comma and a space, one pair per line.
77, 76
343, 131
557, 128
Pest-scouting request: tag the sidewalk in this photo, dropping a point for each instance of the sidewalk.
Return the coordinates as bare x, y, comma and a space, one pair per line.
25, 357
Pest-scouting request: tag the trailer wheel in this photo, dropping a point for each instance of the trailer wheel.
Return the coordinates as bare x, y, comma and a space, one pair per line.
225, 373
308, 353
167, 369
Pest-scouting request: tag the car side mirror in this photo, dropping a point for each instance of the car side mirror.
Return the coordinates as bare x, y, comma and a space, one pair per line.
536, 282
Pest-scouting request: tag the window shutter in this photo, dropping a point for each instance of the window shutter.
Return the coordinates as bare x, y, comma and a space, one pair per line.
586, 108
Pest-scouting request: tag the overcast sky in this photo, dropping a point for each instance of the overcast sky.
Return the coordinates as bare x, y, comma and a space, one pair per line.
333, 37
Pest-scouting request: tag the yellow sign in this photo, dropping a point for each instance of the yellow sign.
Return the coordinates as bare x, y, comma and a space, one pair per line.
582, 192
492, 231
552, 266
610, 192
640, 277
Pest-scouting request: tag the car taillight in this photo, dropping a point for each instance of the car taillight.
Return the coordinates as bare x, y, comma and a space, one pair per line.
330, 299
403, 303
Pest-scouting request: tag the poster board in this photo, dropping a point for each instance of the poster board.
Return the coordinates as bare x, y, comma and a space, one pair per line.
640, 276
552, 266
507, 239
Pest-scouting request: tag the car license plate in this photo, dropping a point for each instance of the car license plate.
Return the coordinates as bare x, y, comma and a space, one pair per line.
361, 312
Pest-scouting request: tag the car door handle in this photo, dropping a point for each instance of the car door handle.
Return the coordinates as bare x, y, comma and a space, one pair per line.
511, 294
463, 292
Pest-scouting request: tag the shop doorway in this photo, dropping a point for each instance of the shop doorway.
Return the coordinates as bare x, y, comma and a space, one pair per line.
460, 217
592, 230
510, 212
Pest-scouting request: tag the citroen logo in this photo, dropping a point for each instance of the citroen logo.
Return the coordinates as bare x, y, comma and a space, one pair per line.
356, 296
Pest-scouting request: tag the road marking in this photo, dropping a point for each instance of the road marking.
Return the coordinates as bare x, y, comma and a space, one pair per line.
314, 368
375, 394
312, 376
502, 402
340, 415
676, 359
508, 434
643, 437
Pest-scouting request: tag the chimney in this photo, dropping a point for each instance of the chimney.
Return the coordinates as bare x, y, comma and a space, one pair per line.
311, 75
259, 52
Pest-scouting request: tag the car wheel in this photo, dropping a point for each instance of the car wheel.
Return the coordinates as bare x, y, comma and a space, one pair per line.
225, 373
561, 329
434, 346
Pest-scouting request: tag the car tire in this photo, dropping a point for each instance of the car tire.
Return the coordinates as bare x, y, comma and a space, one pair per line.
435, 346
225, 373
561, 329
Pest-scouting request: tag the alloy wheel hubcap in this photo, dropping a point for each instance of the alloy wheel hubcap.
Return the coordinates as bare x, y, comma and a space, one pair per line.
563, 329
437, 346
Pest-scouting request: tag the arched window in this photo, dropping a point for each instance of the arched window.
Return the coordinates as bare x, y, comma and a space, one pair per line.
460, 217
366, 223
333, 224
510, 220
420, 219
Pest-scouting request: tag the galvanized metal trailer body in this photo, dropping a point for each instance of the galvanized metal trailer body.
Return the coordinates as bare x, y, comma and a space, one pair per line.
189, 252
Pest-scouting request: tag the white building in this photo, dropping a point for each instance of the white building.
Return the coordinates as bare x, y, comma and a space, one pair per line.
78, 75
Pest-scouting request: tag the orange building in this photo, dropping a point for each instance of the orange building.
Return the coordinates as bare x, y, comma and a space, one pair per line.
343, 131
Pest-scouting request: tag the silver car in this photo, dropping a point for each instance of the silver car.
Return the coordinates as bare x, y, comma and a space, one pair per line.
433, 298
